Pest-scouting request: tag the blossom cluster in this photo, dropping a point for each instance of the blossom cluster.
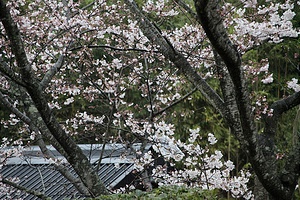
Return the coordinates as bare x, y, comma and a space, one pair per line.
293, 84
160, 7
257, 23
261, 108
258, 71
6, 152
203, 168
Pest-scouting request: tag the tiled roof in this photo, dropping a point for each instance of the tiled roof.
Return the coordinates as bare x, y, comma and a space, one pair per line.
44, 178
37, 173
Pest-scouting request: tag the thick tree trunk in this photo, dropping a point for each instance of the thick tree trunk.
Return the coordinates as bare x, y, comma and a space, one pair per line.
259, 191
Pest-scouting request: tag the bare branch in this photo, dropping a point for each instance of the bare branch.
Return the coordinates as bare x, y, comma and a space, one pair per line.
6, 70
186, 8
61, 168
19, 187
279, 107
112, 48
64, 171
286, 104
51, 72
149, 88
13, 109
174, 103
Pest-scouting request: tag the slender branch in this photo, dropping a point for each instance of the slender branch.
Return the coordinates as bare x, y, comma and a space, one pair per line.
107, 130
98, 88
61, 168
149, 88
113, 48
51, 72
6, 70
13, 109
186, 8
19, 187
174, 103
36, 126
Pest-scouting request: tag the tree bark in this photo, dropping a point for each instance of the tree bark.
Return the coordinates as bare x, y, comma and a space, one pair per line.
259, 191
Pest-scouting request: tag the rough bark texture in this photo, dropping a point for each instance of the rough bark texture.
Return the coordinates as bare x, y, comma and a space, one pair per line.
73, 153
259, 191
227, 88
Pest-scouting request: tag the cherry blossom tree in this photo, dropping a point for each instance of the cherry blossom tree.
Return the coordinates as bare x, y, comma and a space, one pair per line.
113, 72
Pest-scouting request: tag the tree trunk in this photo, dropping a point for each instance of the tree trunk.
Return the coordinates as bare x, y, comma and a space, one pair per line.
260, 193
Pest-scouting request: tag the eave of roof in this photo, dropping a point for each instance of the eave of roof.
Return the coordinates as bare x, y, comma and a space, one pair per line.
113, 153
38, 173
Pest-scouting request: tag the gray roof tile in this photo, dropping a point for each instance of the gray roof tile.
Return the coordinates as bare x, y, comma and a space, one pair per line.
38, 174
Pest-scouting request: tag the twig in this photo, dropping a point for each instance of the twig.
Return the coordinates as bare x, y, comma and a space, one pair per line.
174, 103
19, 187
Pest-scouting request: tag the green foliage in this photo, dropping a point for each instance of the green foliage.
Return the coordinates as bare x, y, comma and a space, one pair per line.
166, 193
283, 59
8, 130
